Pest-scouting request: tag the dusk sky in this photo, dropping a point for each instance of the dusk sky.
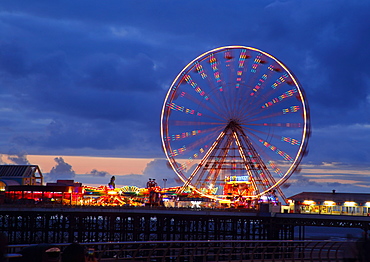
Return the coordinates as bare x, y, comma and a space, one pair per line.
82, 82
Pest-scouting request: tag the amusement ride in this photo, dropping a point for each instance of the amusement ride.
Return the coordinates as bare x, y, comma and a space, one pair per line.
235, 125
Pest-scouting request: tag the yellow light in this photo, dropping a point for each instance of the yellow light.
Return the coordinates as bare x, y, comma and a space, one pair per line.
112, 192
350, 204
309, 202
329, 203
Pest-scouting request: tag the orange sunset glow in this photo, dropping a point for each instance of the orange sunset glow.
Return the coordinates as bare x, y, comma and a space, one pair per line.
83, 164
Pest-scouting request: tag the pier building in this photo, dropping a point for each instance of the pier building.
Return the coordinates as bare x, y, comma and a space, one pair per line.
357, 204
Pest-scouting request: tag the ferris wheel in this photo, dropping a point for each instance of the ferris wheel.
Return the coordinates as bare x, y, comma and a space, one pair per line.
235, 118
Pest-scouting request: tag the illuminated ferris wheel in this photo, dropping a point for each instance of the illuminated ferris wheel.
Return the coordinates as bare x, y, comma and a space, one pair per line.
235, 121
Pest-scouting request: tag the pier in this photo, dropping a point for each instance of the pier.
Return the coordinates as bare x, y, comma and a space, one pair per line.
32, 225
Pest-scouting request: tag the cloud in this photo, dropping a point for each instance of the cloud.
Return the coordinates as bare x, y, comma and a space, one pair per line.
97, 173
157, 169
1, 160
326, 176
302, 181
61, 170
19, 158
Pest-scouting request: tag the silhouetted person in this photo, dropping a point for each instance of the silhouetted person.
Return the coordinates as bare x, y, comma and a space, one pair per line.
112, 184
149, 183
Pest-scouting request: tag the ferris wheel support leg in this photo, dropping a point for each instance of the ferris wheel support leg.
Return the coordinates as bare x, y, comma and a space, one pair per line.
204, 159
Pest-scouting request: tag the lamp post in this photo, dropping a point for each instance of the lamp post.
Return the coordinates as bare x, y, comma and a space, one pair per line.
164, 182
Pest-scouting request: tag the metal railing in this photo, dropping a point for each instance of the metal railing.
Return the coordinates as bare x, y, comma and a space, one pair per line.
227, 250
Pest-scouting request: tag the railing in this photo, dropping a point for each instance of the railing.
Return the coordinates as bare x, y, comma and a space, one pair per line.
232, 251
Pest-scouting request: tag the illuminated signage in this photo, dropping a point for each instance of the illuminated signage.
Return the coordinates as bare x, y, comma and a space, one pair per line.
237, 178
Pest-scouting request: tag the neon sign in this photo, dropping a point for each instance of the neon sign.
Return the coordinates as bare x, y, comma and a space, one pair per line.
237, 178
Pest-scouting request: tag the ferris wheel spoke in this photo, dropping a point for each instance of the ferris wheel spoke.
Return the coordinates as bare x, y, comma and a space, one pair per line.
216, 71
220, 75
280, 98
218, 85
261, 83
190, 134
282, 79
180, 108
290, 125
289, 140
207, 106
263, 106
200, 70
266, 104
239, 77
270, 91
275, 149
242, 68
219, 104
203, 143
195, 115
274, 167
214, 94
232, 92
241, 106
260, 115
192, 123
198, 90
203, 96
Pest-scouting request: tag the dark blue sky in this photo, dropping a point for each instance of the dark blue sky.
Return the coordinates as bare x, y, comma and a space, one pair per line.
89, 77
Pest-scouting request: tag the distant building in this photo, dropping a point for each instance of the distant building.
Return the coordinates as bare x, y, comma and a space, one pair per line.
330, 203
14, 175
